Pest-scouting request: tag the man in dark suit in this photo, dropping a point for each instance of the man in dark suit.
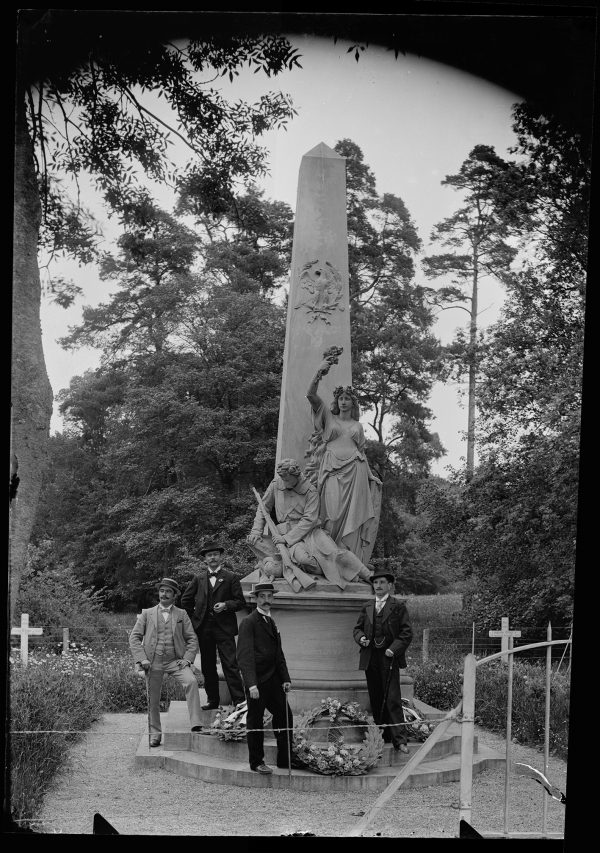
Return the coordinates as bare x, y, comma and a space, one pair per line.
383, 632
211, 599
266, 679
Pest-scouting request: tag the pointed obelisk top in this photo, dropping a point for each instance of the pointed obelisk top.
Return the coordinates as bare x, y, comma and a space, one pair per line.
322, 150
318, 314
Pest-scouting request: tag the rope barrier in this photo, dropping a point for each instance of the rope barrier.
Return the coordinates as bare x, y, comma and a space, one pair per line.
104, 732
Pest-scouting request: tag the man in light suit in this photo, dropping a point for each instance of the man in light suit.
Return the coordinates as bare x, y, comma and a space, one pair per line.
383, 632
211, 599
266, 679
163, 642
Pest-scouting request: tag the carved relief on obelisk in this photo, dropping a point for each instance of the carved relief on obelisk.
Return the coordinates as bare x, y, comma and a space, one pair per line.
320, 291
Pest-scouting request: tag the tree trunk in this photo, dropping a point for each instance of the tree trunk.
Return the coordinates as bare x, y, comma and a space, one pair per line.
30, 388
472, 374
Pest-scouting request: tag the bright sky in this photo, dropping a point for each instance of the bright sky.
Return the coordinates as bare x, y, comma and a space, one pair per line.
414, 119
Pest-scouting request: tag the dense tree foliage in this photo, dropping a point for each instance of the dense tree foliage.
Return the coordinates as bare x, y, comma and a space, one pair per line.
395, 356
182, 416
513, 527
91, 107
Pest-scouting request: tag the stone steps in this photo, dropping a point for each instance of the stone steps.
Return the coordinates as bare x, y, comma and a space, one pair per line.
209, 759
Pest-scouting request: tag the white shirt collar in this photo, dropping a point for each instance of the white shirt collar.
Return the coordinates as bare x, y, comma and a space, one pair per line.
165, 608
263, 612
379, 602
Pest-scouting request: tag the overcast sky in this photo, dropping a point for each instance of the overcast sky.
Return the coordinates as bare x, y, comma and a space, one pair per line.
414, 119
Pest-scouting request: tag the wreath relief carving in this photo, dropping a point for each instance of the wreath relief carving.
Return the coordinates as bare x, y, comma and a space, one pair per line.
320, 290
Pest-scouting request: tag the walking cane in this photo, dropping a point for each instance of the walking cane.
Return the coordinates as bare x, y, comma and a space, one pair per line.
387, 688
147, 701
289, 735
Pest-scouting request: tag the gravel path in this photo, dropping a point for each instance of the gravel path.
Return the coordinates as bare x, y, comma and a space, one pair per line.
102, 777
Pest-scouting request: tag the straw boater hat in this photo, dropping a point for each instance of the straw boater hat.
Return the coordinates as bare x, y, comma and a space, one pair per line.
170, 583
211, 546
262, 587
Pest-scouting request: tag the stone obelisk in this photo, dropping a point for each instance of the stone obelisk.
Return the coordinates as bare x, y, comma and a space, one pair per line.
319, 304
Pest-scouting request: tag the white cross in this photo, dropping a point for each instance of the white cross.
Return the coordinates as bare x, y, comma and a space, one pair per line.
506, 635
24, 631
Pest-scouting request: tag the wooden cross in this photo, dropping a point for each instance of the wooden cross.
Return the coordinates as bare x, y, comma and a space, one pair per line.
24, 631
507, 638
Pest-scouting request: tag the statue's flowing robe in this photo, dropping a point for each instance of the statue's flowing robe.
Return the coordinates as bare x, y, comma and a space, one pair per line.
349, 494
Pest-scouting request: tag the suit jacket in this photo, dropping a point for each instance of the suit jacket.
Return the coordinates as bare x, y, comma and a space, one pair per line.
259, 652
227, 589
396, 628
144, 637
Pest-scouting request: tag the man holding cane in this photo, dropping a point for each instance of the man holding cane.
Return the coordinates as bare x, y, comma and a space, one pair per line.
163, 642
266, 681
383, 632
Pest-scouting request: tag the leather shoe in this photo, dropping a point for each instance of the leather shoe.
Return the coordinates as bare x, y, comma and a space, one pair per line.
262, 768
196, 728
155, 741
210, 706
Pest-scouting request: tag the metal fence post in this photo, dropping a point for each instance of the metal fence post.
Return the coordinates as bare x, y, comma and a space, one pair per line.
425, 647
547, 727
467, 731
508, 735
65, 640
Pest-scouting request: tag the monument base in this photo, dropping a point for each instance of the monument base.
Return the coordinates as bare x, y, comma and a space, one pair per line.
316, 629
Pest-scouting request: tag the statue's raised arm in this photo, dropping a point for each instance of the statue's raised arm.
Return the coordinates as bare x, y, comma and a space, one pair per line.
330, 357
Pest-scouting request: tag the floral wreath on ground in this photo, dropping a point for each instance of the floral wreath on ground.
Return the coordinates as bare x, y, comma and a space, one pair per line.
231, 724
418, 727
338, 758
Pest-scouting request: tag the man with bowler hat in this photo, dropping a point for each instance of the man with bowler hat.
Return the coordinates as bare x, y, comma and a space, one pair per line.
266, 679
383, 632
163, 642
211, 599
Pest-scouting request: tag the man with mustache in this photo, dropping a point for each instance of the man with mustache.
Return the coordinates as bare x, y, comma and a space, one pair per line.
211, 599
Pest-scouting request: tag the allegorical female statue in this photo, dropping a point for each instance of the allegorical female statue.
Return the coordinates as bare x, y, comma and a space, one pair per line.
349, 493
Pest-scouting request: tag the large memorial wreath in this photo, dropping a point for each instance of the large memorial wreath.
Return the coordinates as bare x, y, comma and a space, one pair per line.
338, 758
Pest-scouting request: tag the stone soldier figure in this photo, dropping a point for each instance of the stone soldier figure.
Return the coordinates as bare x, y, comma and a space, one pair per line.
383, 632
296, 503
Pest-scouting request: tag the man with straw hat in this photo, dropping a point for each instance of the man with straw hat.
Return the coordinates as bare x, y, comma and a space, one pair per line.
266, 680
383, 633
163, 642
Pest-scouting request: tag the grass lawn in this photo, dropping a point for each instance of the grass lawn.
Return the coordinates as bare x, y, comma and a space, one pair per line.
426, 611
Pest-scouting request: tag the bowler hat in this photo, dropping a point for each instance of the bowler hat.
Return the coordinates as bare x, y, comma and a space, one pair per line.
262, 587
170, 583
380, 573
211, 546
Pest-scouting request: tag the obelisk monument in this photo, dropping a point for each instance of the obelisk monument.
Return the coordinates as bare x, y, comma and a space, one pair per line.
319, 302
317, 624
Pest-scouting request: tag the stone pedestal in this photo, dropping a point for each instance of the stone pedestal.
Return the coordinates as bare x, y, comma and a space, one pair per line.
316, 633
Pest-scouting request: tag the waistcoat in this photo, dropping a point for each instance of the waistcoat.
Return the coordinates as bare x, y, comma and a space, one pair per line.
165, 647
